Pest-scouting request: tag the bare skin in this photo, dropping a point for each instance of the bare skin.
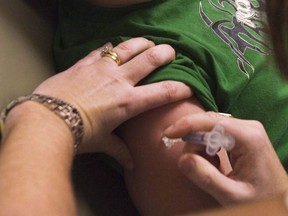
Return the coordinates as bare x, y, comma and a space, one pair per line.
156, 184
37, 148
257, 171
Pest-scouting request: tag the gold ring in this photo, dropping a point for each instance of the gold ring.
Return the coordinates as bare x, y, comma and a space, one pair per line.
107, 52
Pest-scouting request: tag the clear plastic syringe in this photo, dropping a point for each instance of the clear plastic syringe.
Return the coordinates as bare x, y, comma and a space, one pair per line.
213, 140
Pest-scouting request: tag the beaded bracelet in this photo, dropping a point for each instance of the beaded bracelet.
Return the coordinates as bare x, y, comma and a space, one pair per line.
65, 111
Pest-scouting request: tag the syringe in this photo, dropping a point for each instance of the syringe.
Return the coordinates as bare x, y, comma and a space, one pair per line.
213, 140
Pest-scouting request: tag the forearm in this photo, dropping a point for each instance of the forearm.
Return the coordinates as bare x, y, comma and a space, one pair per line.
35, 162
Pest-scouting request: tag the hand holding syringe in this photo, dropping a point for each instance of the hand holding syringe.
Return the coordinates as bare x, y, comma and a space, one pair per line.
213, 140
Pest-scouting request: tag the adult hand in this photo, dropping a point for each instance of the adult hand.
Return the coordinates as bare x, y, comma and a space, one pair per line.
257, 172
105, 93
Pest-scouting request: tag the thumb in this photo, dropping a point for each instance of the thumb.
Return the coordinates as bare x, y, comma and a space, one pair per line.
116, 148
206, 176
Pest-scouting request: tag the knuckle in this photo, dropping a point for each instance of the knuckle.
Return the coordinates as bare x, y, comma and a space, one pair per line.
154, 57
90, 58
207, 181
214, 116
186, 121
93, 53
145, 41
79, 63
257, 130
257, 125
124, 47
169, 90
234, 197
79, 67
126, 99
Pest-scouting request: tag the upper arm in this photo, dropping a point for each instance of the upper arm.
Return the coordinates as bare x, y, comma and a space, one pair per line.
156, 184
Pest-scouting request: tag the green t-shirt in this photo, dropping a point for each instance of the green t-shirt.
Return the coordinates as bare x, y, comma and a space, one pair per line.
221, 52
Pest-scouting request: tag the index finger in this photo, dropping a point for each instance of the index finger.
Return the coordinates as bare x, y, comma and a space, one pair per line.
196, 122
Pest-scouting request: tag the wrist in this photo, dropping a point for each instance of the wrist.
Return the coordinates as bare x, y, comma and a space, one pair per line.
31, 121
69, 114
37, 150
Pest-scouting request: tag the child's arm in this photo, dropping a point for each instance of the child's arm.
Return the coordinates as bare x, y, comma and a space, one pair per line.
156, 185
